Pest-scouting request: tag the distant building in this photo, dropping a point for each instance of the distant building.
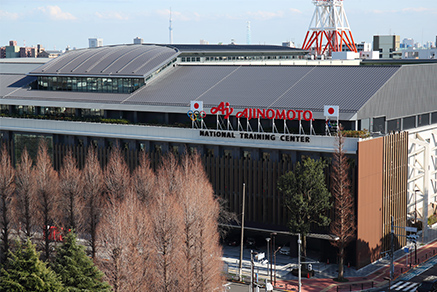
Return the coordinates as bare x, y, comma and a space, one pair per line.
364, 52
289, 44
204, 42
413, 53
363, 46
387, 45
407, 43
28, 52
95, 42
49, 54
138, 41
12, 51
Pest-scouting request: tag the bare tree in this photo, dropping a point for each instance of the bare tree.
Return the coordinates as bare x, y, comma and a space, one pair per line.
143, 180
201, 248
165, 219
124, 235
71, 187
117, 175
93, 186
343, 225
25, 213
7, 187
47, 194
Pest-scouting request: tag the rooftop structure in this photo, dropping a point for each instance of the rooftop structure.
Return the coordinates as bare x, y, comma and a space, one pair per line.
329, 28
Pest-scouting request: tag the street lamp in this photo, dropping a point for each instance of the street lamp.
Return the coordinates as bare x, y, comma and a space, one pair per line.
272, 235
274, 256
268, 258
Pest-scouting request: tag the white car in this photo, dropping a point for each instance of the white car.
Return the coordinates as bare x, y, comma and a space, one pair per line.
285, 250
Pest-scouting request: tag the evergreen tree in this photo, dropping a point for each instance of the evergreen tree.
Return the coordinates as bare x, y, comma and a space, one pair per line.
26, 272
77, 271
306, 197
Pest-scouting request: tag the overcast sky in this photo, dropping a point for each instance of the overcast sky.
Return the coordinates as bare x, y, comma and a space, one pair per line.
71, 22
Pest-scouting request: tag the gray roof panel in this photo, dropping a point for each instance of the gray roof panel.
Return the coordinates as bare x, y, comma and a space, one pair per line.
123, 60
299, 87
353, 88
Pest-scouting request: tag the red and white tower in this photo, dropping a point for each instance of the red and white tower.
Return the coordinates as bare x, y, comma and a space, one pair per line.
329, 28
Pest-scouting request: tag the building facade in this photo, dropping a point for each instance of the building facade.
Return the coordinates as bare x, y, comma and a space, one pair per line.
251, 123
387, 45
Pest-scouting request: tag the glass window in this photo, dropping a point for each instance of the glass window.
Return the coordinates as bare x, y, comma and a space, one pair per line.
394, 125
409, 123
99, 84
379, 125
423, 120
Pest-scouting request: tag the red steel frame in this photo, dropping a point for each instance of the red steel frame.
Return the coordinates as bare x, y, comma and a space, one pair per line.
335, 40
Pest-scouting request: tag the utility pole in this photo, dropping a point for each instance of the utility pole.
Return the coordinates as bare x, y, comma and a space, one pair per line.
242, 234
299, 242
252, 284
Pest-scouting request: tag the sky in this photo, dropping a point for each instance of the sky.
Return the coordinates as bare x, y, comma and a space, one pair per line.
62, 23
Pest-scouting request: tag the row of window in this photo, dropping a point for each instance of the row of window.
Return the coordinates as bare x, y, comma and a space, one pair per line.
89, 84
235, 58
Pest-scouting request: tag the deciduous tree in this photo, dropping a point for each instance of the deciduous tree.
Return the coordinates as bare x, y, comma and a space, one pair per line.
71, 187
165, 219
93, 187
117, 175
306, 196
25, 212
7, 187
143, 180
343, 225
47, 195
124, 233
200, 210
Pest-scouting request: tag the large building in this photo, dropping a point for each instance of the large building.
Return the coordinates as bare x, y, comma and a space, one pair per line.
251, 112
387, 45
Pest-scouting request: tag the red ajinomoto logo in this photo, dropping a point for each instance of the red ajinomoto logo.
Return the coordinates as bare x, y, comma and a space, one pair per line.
255, 113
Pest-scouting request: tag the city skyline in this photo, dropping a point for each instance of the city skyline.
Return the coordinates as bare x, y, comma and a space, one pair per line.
57, 24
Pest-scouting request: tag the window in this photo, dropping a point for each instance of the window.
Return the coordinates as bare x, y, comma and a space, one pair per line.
379, 125
409, 123
423, 120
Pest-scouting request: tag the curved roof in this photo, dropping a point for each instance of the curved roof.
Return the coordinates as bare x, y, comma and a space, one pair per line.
115, 61
236, 48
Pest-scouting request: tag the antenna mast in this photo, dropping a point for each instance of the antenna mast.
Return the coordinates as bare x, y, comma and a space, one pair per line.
330, 28
248, 34
170, 30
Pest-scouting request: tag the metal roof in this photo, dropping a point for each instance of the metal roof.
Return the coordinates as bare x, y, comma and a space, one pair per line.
235, 48
297, 87
411, 91
113, 61
277, 87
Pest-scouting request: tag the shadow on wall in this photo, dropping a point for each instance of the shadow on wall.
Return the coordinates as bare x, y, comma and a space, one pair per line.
367, 255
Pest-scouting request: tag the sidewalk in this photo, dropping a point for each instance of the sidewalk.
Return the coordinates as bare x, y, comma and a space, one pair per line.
371, 276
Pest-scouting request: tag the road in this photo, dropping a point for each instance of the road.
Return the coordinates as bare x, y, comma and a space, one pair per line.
408, 284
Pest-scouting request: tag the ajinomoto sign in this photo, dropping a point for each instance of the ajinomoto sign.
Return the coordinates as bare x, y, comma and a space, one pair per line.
255, 113
226, 110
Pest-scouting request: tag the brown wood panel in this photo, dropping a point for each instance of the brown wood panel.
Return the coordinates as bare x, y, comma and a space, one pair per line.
369, 200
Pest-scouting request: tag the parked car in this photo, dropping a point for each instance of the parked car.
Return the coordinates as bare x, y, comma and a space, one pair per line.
428, 285
250, 242
285, 250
